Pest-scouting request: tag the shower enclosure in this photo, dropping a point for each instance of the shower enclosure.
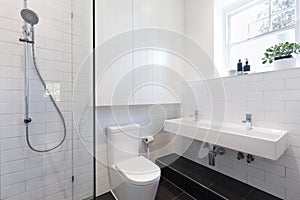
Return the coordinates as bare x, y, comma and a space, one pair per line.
47, 132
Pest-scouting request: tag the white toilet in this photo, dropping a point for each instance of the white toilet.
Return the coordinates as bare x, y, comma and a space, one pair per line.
132, 177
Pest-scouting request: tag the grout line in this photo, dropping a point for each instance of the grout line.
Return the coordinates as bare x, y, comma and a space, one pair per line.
249, 193
182, 194
177, 196
182, 191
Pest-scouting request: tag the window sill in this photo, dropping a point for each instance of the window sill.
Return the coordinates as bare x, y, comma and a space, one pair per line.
264, 71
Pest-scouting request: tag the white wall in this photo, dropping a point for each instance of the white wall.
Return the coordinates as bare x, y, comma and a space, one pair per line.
191, 18
120, 83
199, 23
199, 26
25, 174
273, 99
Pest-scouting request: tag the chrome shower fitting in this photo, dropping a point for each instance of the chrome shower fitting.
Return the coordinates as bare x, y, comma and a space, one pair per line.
29, 16
32, 18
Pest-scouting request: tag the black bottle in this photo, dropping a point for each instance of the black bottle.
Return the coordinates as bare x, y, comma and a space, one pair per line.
240, 67
247, 66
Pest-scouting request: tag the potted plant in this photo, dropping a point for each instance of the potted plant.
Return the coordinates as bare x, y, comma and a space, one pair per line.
281, 55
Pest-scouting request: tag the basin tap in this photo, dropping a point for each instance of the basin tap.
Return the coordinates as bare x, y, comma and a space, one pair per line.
248, 121
196, 115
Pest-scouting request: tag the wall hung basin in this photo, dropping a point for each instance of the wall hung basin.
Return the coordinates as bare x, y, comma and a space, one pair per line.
263, 142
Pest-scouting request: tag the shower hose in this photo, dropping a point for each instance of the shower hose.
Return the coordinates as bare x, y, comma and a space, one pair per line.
27, 121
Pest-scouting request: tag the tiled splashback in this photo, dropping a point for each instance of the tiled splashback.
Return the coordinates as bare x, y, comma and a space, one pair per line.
149, 117
273, 98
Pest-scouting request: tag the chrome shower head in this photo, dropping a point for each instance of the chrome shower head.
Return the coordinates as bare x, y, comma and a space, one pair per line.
29, 16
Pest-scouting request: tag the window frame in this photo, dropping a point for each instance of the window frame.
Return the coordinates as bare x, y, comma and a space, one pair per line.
242, 5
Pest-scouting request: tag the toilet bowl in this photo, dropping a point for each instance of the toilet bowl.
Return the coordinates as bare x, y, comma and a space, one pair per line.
135, 179
132, 177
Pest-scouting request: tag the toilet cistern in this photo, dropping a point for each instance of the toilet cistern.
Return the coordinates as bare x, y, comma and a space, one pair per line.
248, 121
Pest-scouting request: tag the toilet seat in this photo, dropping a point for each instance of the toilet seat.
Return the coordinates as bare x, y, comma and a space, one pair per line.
139, 170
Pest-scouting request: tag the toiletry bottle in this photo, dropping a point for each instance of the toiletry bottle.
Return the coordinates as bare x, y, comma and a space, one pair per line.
247, 66
240, 67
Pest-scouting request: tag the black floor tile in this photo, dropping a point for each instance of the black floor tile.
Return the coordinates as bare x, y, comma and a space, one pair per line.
167, 191
258, 194
231, 188
176, 178
184, 165
163, 169
212, 196
169, 159
195, 190
204, 176
162, 180
106, 196
184, 196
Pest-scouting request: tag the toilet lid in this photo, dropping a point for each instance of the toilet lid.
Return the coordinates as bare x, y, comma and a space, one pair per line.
139, 170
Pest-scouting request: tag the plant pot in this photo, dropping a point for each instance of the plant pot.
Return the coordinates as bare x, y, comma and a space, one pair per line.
284, 63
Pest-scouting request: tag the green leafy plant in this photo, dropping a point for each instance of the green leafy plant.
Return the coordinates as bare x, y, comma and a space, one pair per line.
280, 51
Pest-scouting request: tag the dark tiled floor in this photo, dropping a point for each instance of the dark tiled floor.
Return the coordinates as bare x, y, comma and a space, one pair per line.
184, 165
206, 184
106, 196
169, 159
257, 194
204, 176
231, 189
192, 179
166, 191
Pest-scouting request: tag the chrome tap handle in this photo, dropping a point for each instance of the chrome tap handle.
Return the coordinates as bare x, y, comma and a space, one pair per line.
196, 115
248, 121
248, 118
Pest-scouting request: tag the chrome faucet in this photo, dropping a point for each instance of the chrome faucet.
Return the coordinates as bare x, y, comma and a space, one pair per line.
248, 121
196, 115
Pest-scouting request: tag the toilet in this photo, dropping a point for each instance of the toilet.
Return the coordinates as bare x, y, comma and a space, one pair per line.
132, 177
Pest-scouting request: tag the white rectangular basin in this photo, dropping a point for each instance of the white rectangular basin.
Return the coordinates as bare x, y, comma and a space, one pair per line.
263, 142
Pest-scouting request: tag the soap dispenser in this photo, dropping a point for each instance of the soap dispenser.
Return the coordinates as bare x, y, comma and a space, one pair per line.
247, 66
240, 67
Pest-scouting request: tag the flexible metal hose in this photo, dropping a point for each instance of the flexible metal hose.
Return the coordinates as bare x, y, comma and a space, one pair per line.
53, 102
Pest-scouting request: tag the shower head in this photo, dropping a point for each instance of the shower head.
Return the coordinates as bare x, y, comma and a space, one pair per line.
29, 16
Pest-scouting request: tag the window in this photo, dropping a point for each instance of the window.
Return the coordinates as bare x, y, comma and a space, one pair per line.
257, 26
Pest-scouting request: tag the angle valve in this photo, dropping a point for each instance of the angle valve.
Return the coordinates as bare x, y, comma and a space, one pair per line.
250, 158
28, 120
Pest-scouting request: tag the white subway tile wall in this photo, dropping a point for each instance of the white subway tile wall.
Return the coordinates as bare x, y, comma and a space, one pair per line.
25, 174
274, 100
